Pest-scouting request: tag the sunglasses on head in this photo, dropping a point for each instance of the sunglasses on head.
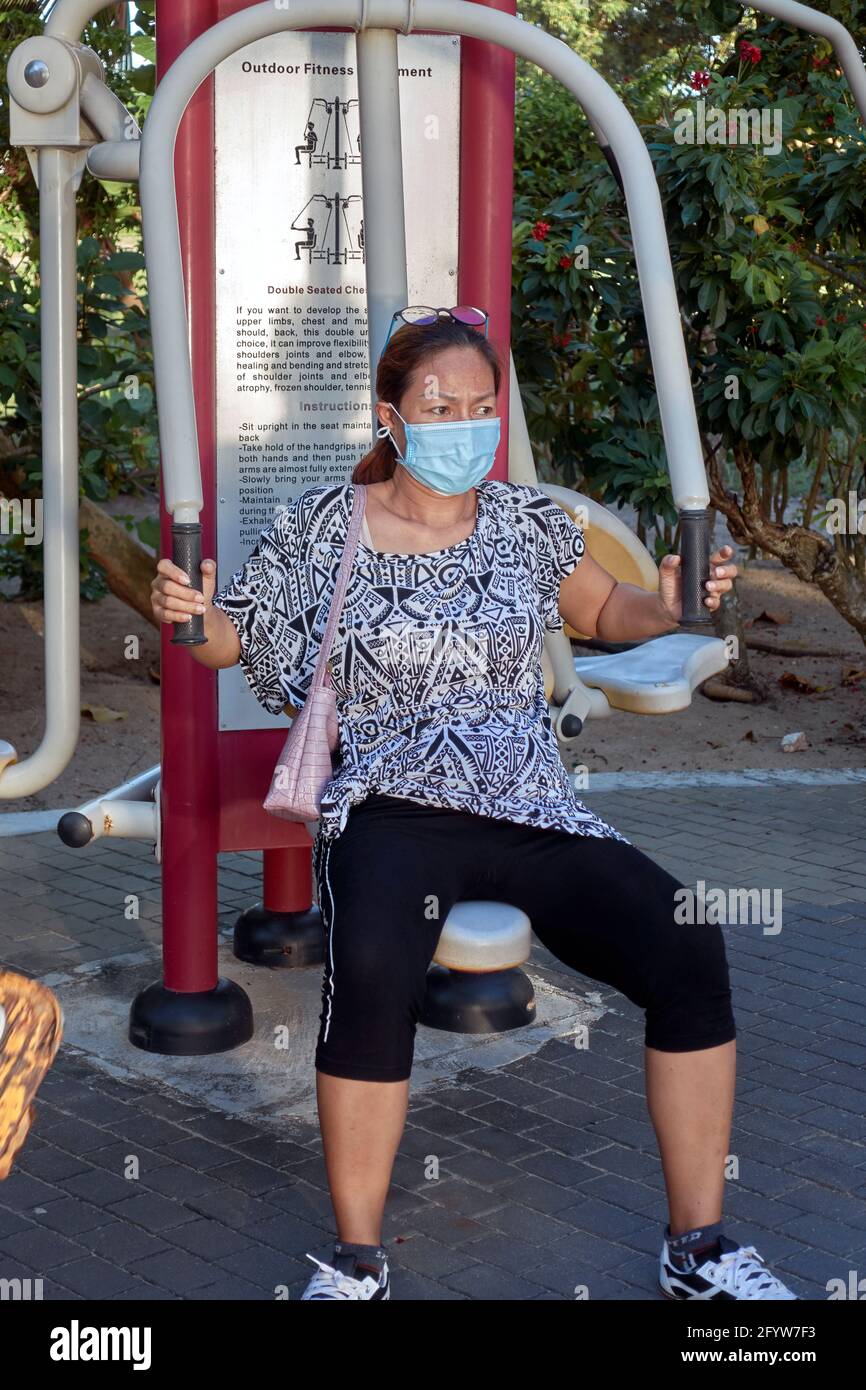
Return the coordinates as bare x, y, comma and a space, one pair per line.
422, 317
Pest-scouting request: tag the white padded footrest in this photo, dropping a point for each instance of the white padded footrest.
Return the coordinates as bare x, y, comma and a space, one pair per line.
656, 677
484, 936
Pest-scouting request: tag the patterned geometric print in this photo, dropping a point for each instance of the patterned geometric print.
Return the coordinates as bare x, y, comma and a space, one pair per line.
436, 665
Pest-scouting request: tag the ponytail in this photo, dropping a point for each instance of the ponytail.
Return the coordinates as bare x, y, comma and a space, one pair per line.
378, 465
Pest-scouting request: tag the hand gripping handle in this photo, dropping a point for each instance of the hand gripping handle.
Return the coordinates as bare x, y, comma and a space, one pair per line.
695, 565
186, 554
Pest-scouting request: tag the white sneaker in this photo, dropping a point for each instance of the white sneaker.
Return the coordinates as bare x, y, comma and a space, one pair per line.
738, 1273
330, 1283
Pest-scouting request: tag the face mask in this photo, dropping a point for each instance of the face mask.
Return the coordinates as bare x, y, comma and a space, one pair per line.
449, 456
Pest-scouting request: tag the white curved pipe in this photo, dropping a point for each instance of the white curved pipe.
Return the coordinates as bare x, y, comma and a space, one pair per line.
69, 17
59, 172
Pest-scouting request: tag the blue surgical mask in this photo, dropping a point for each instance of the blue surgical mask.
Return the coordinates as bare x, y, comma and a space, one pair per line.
449, 456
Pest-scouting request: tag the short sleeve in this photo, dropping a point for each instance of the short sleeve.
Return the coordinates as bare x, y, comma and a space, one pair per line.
560, 546
274, 602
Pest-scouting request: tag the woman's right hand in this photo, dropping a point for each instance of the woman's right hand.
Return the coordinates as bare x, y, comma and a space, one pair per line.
173, 599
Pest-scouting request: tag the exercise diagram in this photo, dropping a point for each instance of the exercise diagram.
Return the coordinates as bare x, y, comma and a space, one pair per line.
337, 145
333, 229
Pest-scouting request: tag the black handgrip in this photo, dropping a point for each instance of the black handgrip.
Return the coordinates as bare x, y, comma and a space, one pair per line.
186, 554
695, 565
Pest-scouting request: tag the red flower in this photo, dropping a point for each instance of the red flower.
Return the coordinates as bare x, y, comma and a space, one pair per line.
749, 52
830, 120
700, 81
565, 262
819, 62
821, 322
540, 230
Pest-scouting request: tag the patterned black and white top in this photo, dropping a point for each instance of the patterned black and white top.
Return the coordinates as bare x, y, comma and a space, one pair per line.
436, 662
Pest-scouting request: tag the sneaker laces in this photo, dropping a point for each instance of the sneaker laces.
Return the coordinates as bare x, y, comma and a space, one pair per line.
745, 1263
330, 1282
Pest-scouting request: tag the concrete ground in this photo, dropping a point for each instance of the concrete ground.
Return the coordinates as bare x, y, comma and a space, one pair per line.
528, 1168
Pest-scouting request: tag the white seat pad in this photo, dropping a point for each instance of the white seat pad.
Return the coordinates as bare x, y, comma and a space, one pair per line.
657, 677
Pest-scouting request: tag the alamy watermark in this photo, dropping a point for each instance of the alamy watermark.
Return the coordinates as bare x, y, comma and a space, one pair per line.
703, 125
846, 517
22, 516
700, 905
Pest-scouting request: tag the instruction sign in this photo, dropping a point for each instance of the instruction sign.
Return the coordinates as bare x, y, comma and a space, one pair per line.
293, 383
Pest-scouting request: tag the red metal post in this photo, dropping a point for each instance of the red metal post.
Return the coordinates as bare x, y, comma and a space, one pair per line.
189, 781
212, 783
487, 194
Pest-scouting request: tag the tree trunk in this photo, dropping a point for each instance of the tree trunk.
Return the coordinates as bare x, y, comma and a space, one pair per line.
129, 568
728, 622
807, 554
817, 478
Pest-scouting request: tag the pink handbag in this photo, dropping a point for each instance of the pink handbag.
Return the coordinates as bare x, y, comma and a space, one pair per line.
305, 766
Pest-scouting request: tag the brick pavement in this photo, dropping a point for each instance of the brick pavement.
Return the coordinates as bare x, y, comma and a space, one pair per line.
548, 1171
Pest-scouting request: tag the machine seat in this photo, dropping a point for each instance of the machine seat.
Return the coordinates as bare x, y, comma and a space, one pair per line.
658, 676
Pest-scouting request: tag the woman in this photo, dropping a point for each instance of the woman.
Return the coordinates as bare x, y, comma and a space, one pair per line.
451, 787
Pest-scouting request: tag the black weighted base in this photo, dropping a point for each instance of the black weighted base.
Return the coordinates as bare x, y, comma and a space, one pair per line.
190, 1025
281, 940
462, 1001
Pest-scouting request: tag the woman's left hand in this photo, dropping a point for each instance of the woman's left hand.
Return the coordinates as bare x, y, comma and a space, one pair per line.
722, 571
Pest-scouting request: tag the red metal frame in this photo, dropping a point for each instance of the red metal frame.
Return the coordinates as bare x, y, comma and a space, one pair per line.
212, 782
487, 195
189, 779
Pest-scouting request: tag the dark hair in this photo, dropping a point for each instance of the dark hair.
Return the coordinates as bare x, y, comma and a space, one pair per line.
406, 350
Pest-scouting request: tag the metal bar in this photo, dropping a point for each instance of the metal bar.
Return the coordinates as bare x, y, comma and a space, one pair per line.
521, 462
105, 815
139, 788
68, 18
557, 647
106, 112
59, 173
115, 160
128, 820
31, 822
382, 184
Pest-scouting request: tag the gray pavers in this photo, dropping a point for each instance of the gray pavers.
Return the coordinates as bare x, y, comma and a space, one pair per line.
549, 1184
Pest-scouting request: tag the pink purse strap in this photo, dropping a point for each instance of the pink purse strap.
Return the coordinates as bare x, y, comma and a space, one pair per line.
353, 535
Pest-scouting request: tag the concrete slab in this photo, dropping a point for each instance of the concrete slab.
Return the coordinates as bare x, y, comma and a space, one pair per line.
272, 1077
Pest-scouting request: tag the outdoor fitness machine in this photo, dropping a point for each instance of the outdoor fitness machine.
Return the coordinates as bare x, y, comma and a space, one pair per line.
216, 369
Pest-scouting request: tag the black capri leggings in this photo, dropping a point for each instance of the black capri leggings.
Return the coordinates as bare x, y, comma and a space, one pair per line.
388, 881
